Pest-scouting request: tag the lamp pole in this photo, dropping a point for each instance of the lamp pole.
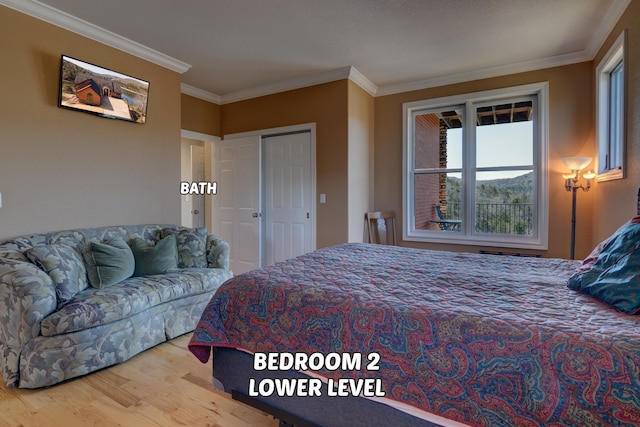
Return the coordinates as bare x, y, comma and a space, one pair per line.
576, 164
574, 190
571, 184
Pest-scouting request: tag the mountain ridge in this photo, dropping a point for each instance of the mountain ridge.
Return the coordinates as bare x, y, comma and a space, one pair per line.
518, 189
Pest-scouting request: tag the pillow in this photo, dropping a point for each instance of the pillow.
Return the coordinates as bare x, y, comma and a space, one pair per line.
65, 267
109, 262
627, 232
611, 272
159, 259
192, 242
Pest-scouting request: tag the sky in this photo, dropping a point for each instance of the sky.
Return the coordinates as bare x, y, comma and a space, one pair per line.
100, 70
509, 144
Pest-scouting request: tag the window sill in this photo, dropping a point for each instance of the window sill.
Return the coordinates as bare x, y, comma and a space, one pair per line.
610, 175
456, 238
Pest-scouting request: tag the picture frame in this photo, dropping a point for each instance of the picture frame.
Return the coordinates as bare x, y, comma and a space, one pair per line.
96, 90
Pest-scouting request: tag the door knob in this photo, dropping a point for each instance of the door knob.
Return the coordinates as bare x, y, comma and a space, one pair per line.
256, 215
195, 212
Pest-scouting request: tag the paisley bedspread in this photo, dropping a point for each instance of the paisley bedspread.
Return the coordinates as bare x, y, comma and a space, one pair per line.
481, 339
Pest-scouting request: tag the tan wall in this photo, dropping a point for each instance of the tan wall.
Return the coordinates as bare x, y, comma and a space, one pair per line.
326, 105
571, 133
360, 159
200, 116
65, 169
616, 200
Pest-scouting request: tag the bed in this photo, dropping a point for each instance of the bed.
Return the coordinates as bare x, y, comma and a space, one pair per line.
462, 339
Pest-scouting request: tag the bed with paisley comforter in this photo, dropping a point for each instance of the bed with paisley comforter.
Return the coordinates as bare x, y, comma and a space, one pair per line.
463, 338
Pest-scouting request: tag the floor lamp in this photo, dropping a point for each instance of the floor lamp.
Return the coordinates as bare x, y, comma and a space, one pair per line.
571, 183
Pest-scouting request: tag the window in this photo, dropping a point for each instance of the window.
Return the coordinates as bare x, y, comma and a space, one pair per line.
475, 168
610, 129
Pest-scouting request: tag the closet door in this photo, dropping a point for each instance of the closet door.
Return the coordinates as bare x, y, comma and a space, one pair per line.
236, 206
287, 196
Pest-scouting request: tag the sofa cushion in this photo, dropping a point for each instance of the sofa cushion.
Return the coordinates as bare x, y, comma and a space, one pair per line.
109, 262
192, 245
155, 259
95, 307
65, 267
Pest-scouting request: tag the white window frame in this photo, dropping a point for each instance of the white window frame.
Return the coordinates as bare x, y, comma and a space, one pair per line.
610, 162
468, 236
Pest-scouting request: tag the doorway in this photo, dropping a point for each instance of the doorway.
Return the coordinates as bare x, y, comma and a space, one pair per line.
195, 166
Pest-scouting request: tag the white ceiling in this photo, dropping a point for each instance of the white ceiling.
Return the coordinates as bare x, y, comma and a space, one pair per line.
237, 46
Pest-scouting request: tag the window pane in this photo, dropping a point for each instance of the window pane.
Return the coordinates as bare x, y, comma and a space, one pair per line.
504, 202
615, 116
437, 204
435, 146
504, 135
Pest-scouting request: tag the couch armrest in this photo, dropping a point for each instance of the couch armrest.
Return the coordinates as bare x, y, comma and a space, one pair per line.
27, 295
217, 252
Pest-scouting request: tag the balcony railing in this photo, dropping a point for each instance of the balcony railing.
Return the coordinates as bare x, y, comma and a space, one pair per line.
501, 218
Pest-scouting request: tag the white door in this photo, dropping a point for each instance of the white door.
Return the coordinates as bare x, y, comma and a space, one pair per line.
236, 206
197, 175
287, 196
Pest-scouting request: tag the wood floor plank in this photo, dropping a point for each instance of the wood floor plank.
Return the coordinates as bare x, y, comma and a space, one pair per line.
164, 386
197, 380
111, 385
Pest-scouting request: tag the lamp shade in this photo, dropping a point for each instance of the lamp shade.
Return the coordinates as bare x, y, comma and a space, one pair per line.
576, 163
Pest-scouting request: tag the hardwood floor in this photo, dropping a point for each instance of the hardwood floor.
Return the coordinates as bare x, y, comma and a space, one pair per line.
163, 386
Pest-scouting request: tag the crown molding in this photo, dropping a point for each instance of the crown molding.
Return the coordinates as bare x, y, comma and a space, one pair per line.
286, 85
606, 26
201, 94
358, 78
61, 19
485, 73
304, 81
297, 83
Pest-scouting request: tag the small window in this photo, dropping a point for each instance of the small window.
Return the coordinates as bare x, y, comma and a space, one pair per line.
610, 113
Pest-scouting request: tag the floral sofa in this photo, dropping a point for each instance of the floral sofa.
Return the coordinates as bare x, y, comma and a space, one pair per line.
56, 323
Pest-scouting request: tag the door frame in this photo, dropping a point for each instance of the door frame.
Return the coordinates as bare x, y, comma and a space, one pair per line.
198, 201
311, 127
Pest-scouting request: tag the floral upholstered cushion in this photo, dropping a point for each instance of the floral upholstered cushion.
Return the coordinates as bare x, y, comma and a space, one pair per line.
65, 267
217, 253
192, 246
98, 307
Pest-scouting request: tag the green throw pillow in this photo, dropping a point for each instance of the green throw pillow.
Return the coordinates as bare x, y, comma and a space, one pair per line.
159, 259
109, 262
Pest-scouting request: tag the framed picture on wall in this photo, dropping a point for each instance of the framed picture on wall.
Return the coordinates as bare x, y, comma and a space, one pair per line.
96, 90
